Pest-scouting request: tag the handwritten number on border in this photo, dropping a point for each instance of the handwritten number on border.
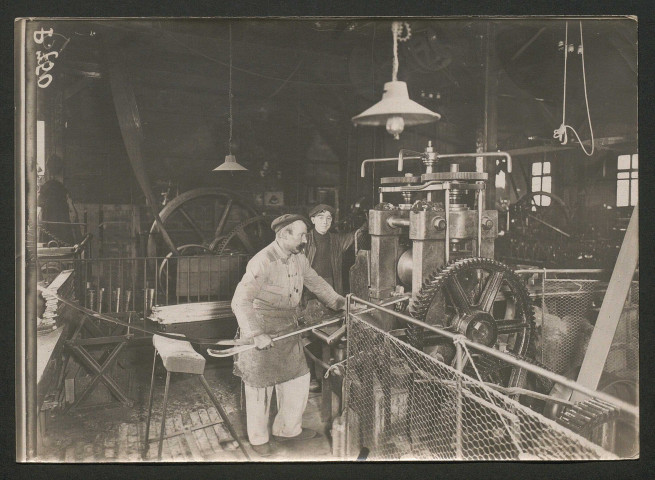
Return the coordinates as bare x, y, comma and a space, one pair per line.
44, 62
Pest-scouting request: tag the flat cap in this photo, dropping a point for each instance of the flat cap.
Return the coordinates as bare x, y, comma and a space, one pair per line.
284, 220
321, 207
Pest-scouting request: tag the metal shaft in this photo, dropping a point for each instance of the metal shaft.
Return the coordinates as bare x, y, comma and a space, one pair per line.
146, 442
31, 103
459, 414
478, 246
163, 416
446, 201
233, 351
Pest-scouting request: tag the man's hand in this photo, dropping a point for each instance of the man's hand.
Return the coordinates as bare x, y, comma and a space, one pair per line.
341, 303
263, 342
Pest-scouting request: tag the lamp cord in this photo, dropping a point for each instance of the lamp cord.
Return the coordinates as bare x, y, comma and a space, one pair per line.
566, 56
396, 29
229, 144
561, 132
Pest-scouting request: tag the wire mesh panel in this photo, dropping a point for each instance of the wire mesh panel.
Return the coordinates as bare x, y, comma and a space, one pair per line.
567, 310
566, 314
402, 404
623, 357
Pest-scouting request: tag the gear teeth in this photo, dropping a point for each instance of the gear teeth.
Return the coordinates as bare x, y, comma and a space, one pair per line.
420, 306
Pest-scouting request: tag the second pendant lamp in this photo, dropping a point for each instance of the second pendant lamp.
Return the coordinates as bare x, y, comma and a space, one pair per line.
230, 164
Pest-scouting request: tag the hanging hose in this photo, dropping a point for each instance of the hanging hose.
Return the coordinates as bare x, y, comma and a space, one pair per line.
561, 132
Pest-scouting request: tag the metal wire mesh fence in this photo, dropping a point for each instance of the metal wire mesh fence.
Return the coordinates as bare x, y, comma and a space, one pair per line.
402, 404
565, 315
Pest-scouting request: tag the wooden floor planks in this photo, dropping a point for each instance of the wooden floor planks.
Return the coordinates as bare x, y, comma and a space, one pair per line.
194, 436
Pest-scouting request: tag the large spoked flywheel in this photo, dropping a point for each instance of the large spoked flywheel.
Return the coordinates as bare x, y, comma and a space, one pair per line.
248, 237
200, 218
487, 302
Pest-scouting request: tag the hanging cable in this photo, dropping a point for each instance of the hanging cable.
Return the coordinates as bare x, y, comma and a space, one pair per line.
229, 143
397, 29
561, 132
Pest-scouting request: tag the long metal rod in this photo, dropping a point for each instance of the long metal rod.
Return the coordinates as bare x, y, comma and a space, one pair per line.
479, 232
402, 158
527, 44
481, 154
62, 223
553, 227
459, 366
140, 259
21, 274
228, 352
446, 202
624, 406
560, 270
330, 339
163, 416
375, 160
543, 303
31, 107
146, 441
346, 385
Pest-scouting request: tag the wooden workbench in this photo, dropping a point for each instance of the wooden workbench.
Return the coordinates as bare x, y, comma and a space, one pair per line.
49, 349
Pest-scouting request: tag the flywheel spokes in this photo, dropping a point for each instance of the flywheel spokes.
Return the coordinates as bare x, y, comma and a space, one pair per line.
487, 302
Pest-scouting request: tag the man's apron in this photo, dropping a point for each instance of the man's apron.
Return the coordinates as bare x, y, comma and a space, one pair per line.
284, 361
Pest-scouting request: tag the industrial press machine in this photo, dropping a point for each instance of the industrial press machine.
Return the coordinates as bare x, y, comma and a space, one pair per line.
432, 239
438, 216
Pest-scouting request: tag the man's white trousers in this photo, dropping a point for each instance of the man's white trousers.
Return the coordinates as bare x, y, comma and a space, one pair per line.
291, 402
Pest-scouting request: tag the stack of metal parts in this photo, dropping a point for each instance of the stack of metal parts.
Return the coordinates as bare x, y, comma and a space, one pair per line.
583, 417
120, 301
63, 286
200, 320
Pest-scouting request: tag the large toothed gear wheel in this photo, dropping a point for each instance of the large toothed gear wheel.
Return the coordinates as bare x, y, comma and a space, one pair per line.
487, 302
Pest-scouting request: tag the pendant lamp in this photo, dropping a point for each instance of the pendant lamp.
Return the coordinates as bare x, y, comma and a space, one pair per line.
230, 164
396, 110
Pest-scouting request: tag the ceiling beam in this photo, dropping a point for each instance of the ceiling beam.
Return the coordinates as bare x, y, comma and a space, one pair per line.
525, 46
539, 149
75, 88
216, 50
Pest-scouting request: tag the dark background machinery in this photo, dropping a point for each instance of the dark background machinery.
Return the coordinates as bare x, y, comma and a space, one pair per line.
558, 236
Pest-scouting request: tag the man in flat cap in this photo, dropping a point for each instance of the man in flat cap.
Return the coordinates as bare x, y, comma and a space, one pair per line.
325, 249
265, 304
325, 254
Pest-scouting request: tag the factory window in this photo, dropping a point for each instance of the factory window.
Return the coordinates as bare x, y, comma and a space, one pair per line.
627, 180
541, 182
